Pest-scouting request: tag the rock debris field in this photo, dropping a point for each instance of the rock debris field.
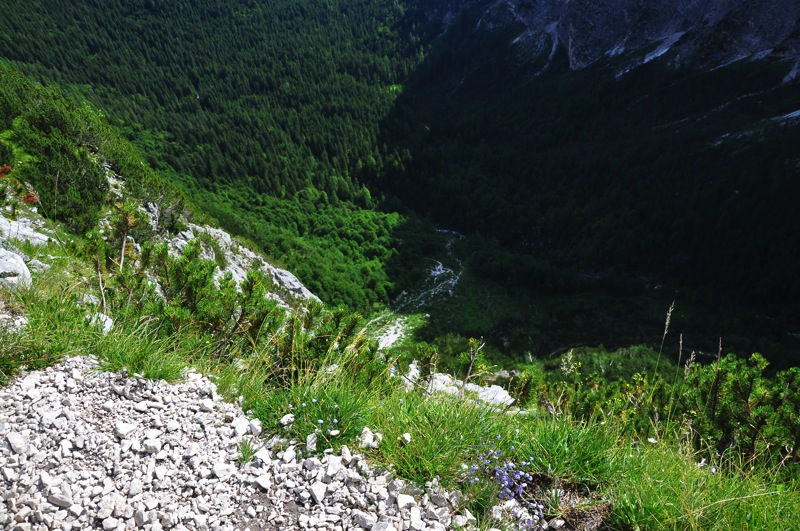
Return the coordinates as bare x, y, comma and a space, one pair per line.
84, 449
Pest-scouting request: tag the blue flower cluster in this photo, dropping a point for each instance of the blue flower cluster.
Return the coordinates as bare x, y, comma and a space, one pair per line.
512, 478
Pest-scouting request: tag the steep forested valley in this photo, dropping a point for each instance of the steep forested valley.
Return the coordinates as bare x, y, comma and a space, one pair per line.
268, 114
336, 135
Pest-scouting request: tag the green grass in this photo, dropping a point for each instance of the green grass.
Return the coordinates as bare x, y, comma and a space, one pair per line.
439, 441
247, 451
658, 486
325, 411
57, 326
139, 350
566, 451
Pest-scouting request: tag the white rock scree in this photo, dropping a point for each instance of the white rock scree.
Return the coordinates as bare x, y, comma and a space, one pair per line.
83, 449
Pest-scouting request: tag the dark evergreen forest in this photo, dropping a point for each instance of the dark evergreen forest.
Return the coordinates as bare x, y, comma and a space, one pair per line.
266, 113
334, 133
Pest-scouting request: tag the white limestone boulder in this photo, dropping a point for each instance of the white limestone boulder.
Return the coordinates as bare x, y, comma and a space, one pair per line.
14, 274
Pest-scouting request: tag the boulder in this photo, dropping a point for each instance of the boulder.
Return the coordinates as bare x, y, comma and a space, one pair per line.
23, 229
102, 321
496, 396
14, 274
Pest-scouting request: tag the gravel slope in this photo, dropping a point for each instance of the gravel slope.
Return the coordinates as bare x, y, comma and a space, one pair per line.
83, 449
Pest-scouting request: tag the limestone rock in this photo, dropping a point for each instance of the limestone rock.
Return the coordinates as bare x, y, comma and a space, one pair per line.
365, 520
14, 274
264, 482
17, 442
95, 460
318, 491
29, 230
102, 321
60, 500
238, 259
123, 429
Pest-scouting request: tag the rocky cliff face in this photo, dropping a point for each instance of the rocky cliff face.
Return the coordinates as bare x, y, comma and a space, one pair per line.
239, 260
700, 33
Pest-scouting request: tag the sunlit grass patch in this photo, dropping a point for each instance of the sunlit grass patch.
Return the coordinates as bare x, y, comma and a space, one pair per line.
660, 487
442, 431
247, 451
140, 351
336, 414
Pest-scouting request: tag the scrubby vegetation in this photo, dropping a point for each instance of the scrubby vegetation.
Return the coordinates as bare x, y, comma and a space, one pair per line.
635, 438
687, 446
64, 150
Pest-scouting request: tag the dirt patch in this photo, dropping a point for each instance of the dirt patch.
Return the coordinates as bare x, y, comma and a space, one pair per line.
261, 522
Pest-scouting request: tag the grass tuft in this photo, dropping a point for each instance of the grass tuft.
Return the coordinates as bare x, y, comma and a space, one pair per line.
139, 350
247, 451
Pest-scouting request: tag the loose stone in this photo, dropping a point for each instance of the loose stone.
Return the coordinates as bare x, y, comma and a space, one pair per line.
104, 451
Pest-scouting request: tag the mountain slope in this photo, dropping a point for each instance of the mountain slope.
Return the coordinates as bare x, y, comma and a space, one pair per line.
704, 33
266, 113
609, 147
624, 165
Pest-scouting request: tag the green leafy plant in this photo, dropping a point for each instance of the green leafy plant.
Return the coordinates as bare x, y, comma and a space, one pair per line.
247, 451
